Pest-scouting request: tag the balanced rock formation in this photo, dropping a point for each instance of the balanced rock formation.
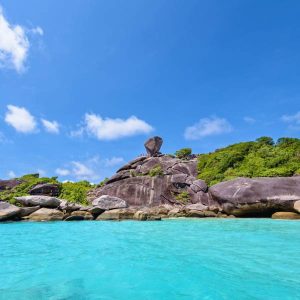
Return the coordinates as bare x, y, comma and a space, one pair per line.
153, 145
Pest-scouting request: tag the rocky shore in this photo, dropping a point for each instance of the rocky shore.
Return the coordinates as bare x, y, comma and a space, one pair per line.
157, 186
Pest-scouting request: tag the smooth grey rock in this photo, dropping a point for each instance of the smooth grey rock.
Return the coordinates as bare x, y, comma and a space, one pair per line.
68, 206
9, 184
196, 206
42, 201
117, 214
286, 215
297, 206
8, 211
107, 202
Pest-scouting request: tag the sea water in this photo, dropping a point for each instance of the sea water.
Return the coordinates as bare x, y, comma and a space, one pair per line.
171, 259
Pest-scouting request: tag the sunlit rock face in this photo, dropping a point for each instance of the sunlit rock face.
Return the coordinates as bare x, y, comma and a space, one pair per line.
153, 181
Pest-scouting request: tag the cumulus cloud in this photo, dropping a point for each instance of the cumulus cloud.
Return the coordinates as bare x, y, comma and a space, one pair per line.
14, 44
114, 161
207, 127
50, 126
82, 171
112, 129
20, 118
292, 120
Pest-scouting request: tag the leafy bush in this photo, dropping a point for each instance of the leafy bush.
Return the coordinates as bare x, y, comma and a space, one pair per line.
183, 197
183, 153
251, 159
156, 171
76, 191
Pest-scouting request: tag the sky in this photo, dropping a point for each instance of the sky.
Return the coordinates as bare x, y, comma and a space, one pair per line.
83, 83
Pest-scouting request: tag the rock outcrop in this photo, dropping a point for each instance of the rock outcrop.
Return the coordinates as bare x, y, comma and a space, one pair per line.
106, 202
284, 215
9, 184
256, 196
47, 189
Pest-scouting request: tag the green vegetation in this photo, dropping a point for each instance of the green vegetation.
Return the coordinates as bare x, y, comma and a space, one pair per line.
156, 171
183, 153
71, 191
28, 181
183, 197
76, 191
260, 158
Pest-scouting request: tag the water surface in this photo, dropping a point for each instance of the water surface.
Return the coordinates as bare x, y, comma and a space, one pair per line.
172, 259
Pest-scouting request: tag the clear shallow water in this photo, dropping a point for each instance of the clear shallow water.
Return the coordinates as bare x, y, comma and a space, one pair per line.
173, 259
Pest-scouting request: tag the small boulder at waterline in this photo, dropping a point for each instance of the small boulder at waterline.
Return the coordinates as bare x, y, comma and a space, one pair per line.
117, 214
8, 211
286, 215
42, 201
107, 202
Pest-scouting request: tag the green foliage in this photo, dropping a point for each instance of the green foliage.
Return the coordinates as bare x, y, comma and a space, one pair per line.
28, 181
251, 159
183, 197
76, 191
156, 171
183, 153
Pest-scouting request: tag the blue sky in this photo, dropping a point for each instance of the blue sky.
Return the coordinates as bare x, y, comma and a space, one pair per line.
84, 83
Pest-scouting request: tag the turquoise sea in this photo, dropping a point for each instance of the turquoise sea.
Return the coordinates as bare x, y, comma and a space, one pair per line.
172, 259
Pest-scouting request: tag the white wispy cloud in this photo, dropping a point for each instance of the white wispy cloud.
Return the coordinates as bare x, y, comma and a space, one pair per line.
21, 119
114, 161
83, 172
292, 120
112, 129
62, 172
207, 127
249, 120
50, 126
14, 44
11, 174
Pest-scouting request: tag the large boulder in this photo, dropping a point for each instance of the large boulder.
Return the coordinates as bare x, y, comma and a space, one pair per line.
42, 201
284, 215
153, 145
256, 196
8, 211
107, 202
46, 214
69, 207
48, 189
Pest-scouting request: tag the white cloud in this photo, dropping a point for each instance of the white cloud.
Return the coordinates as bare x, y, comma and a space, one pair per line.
20, 118
206, 127
37, 30
249, 120
12, 174
114, 161
42, 172
14, 43
82, 171
292, 120
62, 172
112, 129
50, 126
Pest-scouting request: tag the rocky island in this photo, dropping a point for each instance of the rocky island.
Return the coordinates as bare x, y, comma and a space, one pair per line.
156, 186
